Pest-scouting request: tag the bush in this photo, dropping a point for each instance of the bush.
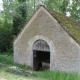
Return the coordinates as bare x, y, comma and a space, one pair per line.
5, 39
6, 60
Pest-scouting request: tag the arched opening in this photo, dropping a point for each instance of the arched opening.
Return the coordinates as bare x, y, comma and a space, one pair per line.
41, 55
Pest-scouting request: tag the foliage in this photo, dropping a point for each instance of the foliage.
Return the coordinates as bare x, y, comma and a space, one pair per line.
19, 18
75, 10
5, 39
16, 13
8, 10
6, 36
58, 5
5, 59
64, 6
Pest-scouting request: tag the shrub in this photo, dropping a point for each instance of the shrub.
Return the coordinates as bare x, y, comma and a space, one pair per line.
6, 60
5, 39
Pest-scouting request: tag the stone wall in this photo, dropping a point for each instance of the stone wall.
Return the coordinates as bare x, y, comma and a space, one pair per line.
64, 51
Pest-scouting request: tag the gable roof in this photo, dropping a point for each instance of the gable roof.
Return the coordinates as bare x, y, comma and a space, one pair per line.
71, 26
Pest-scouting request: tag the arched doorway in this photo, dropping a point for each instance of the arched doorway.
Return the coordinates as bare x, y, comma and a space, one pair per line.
41, 55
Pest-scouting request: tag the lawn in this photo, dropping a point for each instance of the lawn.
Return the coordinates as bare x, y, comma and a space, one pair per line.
12, 76
56, 75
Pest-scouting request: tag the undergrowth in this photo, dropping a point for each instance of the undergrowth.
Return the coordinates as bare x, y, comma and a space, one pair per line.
5, 59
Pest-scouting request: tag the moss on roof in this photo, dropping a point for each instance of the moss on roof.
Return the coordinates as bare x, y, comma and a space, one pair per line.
70, 25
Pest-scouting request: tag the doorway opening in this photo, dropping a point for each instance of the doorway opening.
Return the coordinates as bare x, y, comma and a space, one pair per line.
41, 55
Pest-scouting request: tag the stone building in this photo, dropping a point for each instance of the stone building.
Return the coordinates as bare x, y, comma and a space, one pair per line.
49, 37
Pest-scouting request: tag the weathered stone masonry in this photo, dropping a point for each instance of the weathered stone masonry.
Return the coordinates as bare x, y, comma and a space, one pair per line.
64, 50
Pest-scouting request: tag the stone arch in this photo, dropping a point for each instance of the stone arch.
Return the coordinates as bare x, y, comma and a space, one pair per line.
51, 46
41, 55
41, 45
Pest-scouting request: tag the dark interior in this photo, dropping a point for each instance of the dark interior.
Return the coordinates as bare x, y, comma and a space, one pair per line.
41, 60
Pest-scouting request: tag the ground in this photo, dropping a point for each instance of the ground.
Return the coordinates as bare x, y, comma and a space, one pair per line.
12, 76
7, 73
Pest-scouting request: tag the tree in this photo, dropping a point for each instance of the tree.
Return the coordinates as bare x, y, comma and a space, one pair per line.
55, 5
58, 5
17, 12
8, 10
75, 10
6, 36
5, 39
64, 7
19, 17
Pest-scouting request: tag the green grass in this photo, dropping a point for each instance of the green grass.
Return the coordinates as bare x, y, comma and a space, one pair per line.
5, 59
8, 61
12, 76
46, 75
56, 75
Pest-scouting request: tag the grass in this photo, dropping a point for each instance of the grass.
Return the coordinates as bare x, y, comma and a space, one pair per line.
11, 76
56, 75
5, 59
40, 75
8, 61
